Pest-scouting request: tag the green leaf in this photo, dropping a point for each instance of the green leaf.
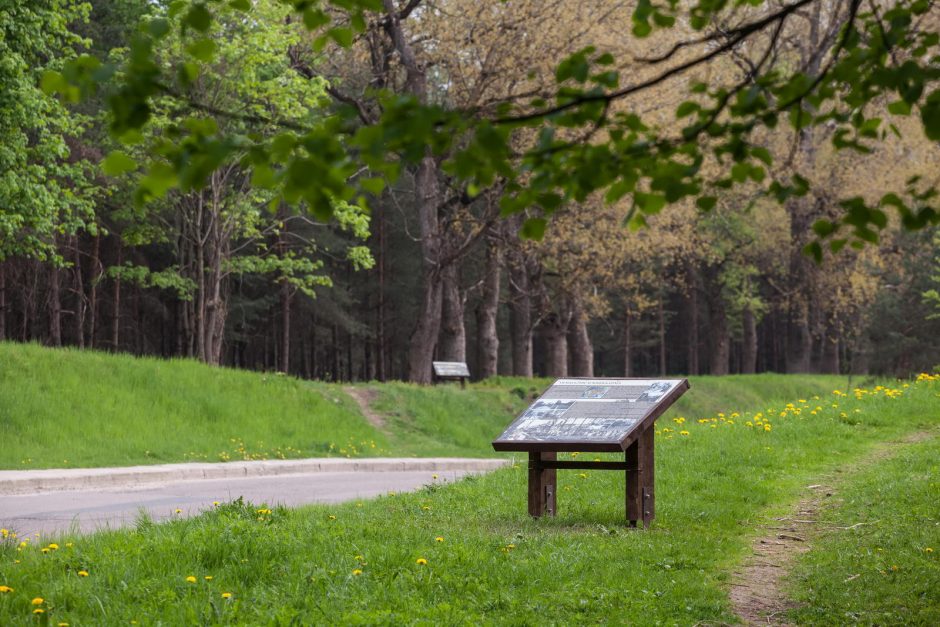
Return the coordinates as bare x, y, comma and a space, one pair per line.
198, 18
706, 203
240, 5
930, 116
342, 36
814, 250
649, 203
372, 185
823, 228
202, 49
117, 163
687, 108
899, 107
533, 228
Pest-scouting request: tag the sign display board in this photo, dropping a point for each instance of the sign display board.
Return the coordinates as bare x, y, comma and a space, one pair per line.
590, 414
450, 369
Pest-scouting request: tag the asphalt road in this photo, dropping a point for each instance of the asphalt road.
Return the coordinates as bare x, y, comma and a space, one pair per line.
95, 509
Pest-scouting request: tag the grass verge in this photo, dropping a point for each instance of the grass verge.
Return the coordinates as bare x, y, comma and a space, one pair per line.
879, 561
468, 553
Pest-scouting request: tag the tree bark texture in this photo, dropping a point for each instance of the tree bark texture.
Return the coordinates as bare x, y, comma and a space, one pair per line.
579, 343
487, 335
452, 344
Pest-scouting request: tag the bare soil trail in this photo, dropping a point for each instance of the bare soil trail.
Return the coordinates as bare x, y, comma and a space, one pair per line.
757, 587
364, 397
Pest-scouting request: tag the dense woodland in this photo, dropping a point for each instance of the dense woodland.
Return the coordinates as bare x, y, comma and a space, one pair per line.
233, 275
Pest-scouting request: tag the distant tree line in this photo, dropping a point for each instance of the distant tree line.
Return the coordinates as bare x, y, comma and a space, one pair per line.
229, 272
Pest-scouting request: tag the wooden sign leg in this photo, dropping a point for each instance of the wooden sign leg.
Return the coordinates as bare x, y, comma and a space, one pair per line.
641, 501
542, 485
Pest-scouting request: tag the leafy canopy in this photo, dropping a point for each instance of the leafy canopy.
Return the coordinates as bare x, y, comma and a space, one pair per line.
584, 144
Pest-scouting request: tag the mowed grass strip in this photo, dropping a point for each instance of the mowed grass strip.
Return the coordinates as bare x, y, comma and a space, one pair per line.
71, 408
468, 552
879, 561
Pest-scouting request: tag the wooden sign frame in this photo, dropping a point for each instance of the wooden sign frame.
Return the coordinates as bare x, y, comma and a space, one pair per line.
441, 373
636, 444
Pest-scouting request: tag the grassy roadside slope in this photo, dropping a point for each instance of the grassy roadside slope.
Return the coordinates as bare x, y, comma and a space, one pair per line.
70, 408
468, 553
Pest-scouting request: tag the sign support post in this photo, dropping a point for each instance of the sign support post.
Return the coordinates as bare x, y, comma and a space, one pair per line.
542, 485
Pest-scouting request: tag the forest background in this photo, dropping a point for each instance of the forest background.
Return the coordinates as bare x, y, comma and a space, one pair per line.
96, 253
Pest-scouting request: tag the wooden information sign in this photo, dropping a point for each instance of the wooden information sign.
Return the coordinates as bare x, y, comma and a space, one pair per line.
451, 370
596, 415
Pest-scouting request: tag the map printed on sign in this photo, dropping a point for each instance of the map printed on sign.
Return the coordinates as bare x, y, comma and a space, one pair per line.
591, 411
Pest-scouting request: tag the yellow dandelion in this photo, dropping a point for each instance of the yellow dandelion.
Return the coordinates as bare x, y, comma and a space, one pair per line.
38, 601
177, 511
356, 572
69, 545
510, 546
683, 432
433, 476
583, 475
4, 589
332, 517
421, 561
928, 550
226, 595
191, 579
83, 573
54, 546
39, 610
215, 503
208, 577
44, 550
439, 539
767, 426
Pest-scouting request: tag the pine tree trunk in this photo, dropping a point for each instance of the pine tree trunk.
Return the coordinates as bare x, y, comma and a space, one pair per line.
381, 324
487, 335
285, 327
579, 342
661, 317
3, 300
116, 306
692, 330
520, 319
800, 346
627, 343
79, 315
452, 344
749, 350
55, 306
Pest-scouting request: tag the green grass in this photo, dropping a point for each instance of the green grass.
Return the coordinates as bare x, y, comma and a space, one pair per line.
495, 564
885, 571
70, 408
82, 408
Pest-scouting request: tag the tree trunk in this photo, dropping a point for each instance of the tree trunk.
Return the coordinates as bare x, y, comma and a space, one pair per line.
554, 331
452, 345
55, 306
830, 353
692, 330
579, 342
628, 343
520, 319
749, 350
487, 335
800, 346
285, 327
116, 306
79, 315
720, 340
380, 342
3, 300
661, 317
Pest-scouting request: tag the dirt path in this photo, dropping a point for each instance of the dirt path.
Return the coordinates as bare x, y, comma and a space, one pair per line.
364, 397
757, 594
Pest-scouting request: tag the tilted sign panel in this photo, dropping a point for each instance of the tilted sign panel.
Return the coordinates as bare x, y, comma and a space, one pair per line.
599, 412
451, 369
